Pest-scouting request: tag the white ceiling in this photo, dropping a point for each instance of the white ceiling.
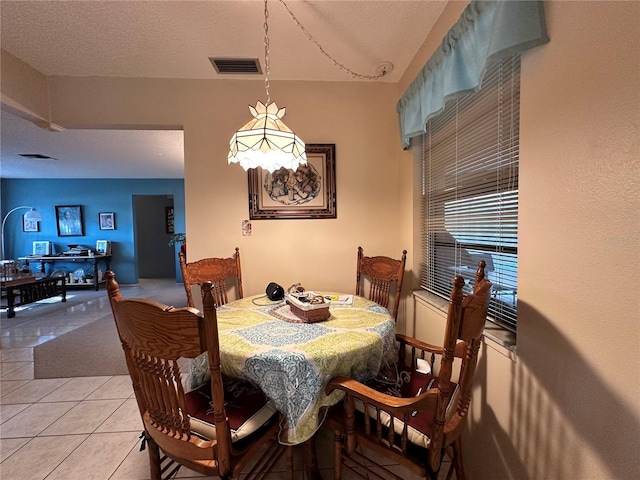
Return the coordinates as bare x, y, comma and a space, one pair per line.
89, 153
174, 39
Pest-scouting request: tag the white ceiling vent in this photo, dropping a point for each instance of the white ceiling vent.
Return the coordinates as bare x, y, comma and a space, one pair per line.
236, 65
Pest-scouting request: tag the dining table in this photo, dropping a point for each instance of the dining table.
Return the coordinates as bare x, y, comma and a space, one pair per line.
292, 361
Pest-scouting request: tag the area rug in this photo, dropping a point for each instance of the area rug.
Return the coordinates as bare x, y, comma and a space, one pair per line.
91, 350
95, 349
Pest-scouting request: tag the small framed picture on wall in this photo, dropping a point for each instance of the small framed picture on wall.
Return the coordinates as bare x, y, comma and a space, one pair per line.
168, 215
107, 220
29, 225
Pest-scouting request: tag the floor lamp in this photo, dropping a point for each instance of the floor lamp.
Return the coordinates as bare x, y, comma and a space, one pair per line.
32, 215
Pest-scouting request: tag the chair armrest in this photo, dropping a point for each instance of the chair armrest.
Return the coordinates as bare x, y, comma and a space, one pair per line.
379, 400
414, 342
427, 347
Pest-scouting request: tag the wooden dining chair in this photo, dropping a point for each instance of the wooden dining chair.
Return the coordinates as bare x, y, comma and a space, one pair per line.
381, 273
216, 428
412, 415
221, 272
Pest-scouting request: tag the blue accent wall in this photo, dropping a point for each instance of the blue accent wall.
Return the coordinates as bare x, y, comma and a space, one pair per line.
94, 196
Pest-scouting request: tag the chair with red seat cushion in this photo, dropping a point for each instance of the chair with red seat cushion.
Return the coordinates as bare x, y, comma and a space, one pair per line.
214, 430
246, 407
410, 415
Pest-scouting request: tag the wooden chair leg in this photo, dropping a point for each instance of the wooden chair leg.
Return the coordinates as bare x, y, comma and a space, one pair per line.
311, 459
431, 475
289, 463
337, 455
451, 470
154, 459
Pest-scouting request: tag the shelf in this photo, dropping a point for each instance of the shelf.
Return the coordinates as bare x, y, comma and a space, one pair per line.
94, 260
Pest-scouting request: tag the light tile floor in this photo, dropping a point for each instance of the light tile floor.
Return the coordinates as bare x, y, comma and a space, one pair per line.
82, 428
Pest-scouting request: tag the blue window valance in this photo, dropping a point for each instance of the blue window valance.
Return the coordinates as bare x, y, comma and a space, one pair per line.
486, 30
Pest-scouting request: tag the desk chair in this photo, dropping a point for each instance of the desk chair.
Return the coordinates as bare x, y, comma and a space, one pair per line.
214, 429
381, 272
413, 416
218, 271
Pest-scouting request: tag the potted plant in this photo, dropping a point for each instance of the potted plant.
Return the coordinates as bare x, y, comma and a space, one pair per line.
179, 239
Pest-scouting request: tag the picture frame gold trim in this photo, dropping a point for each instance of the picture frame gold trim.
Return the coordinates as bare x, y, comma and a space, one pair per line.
263, 206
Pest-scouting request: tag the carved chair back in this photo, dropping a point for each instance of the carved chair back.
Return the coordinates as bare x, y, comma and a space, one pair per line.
381, 273
218, 271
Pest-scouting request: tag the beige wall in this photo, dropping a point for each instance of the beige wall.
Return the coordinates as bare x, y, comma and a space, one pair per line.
24, 90
321, 254
566, 406
580, 230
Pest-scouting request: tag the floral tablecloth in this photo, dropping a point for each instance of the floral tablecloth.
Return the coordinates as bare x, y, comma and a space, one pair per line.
292, 362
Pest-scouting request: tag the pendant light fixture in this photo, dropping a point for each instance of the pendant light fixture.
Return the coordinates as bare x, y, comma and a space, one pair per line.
265, 141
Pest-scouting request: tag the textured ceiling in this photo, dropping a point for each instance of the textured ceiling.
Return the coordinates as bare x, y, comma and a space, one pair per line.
174, 39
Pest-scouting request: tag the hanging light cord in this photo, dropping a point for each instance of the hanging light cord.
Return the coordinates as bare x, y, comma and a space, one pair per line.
267, 66
322, 50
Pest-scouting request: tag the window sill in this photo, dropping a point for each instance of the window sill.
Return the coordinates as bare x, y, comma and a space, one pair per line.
494, 335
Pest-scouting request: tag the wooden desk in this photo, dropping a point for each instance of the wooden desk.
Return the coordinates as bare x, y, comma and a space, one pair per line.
30, 290
92, 259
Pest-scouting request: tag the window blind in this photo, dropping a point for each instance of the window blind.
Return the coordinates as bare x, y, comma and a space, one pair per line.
469, 156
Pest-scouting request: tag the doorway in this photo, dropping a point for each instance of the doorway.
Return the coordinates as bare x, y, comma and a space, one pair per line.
152, 235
